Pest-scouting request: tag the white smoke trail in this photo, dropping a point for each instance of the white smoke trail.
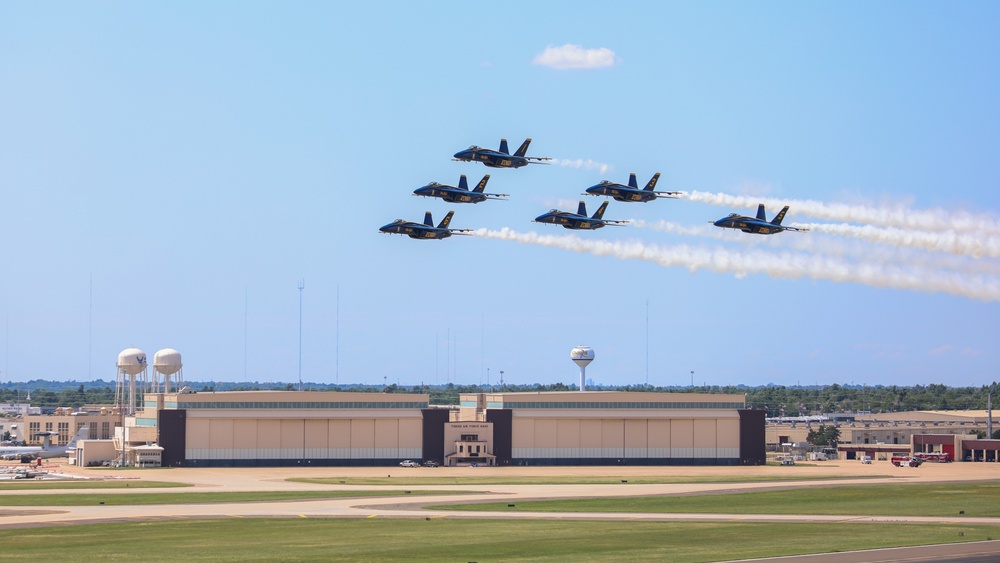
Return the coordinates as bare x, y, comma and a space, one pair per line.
678, 229
949, 241
584, 164
896, 216
896, 254
781, 265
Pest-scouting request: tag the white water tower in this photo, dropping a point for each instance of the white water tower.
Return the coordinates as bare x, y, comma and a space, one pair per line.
582, 356
131, 364
166, 363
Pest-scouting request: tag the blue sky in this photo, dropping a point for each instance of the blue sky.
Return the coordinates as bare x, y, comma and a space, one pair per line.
169, 172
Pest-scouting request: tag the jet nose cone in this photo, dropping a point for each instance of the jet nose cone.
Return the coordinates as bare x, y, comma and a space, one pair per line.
720, 223
463, 155
596, 190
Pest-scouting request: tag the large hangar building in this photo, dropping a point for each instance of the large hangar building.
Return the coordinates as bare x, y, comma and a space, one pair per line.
307, 428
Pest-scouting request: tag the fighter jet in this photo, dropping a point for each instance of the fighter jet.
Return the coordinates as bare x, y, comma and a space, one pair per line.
631, 192
579, 220
757, 225
425, 230
461, 193
501, 158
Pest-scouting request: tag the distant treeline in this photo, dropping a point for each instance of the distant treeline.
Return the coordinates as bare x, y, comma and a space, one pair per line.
777, 400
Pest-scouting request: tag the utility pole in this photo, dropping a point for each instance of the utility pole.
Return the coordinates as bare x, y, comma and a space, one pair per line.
302, 285
989, 416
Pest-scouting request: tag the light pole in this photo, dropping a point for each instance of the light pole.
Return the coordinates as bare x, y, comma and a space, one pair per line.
302, 285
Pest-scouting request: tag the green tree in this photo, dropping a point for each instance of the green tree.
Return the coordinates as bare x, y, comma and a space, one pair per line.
824, 436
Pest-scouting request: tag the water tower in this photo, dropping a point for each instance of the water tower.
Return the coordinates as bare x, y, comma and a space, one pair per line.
582, 356
166, 363
131, 363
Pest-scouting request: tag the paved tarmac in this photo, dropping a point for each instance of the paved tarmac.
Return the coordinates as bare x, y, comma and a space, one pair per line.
275, 479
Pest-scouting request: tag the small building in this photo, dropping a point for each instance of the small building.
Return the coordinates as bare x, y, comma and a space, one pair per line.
146, 456
959, 447
469, 443
94, 452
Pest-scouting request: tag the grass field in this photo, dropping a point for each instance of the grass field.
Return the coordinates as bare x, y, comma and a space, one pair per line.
937, 499
84, 499
567, 480
462, 540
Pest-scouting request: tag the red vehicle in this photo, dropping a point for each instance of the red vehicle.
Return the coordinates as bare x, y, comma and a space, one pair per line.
939, 457
901, 460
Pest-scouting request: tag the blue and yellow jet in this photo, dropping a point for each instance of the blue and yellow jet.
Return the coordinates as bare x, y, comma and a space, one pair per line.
631, 192
501, 158
460, 193
756, 225
425, 230
579, 220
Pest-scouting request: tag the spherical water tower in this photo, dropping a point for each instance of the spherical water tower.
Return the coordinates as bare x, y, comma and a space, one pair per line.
582, 356
166, 363
131, 363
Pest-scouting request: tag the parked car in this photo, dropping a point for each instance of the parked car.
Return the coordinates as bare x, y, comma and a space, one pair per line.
867, 459
431, 463
408, 463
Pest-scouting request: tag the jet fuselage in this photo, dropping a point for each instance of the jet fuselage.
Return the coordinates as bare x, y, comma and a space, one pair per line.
620, 192
570, 220
748, 225
491, 158
450, 193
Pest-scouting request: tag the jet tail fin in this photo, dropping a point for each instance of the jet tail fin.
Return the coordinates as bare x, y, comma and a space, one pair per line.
463, 183
503, 146
760, 212
523, 148
427, 219
652, 182
600, 210
781, 215
482, 184
447, 219
582, 209
80, 435
632, 183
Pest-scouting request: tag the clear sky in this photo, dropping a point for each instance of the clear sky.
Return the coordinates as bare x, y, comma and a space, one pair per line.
169, 171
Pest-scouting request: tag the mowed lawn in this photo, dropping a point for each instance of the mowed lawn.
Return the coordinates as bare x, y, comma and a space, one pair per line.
447, 539
937, 499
